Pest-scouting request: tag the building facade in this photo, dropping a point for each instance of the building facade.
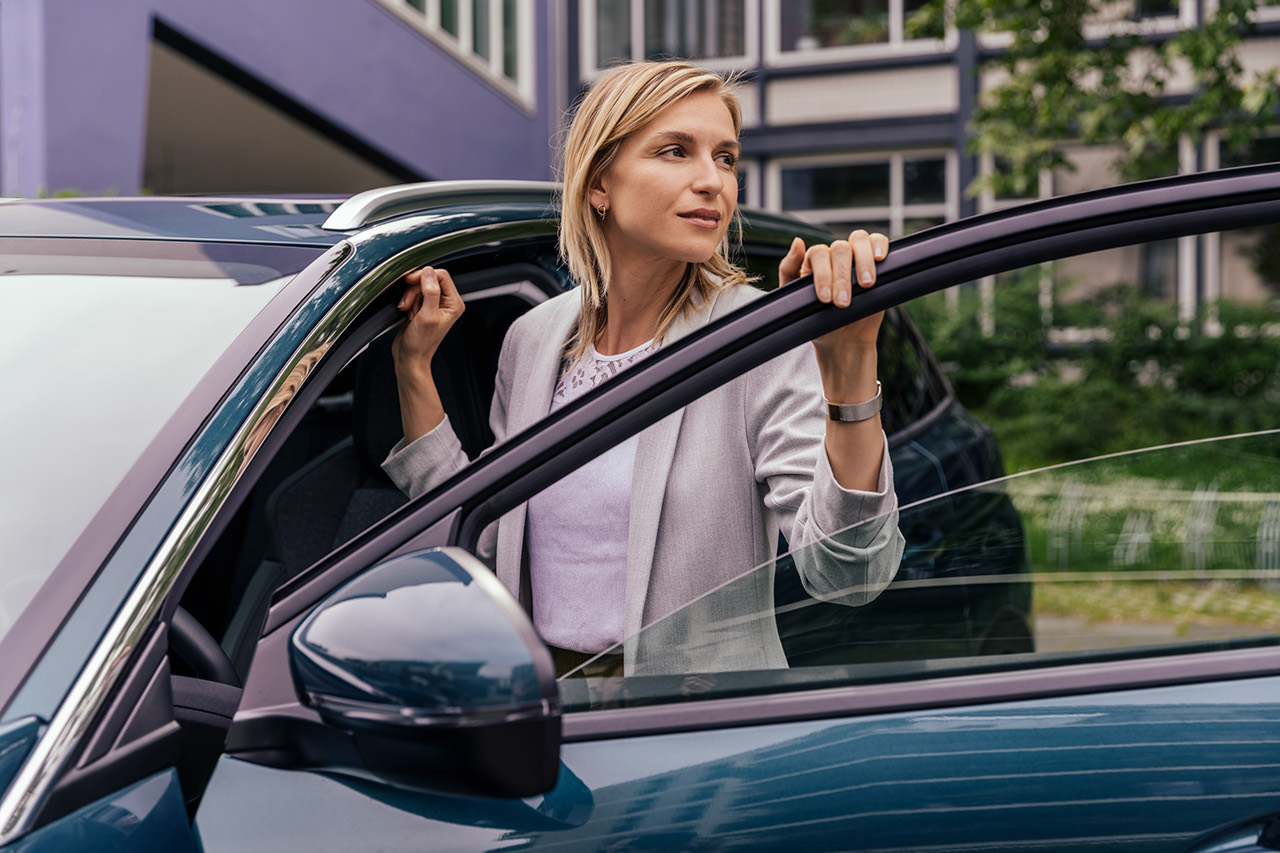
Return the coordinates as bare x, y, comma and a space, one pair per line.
856, 113
309, 96
857, 116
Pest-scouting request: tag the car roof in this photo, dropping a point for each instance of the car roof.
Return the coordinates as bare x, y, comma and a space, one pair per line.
295, 220
240, 219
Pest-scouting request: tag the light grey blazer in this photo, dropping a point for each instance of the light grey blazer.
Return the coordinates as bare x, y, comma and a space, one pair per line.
714, 484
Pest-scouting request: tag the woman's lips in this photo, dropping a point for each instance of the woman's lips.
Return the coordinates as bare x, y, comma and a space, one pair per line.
708, 219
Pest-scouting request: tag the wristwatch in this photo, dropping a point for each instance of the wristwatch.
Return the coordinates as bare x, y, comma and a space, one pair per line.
849, 413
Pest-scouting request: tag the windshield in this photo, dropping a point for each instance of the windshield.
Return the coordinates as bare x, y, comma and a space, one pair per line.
100, 341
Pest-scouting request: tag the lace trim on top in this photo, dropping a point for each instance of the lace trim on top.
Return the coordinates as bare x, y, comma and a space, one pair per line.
591, 370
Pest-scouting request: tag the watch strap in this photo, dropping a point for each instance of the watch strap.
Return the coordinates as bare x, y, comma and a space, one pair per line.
849, 413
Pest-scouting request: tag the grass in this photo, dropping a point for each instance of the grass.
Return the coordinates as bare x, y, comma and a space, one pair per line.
1181, 604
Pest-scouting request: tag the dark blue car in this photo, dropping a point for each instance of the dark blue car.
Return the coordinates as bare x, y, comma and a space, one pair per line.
222, 627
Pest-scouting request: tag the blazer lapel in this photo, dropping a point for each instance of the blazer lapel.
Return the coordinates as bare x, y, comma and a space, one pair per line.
656, 450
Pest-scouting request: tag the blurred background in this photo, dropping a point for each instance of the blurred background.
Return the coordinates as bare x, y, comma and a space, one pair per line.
893, 115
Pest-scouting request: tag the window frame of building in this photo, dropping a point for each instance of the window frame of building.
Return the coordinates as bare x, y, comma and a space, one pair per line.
588, 43
750, 178
1186, 18
896, 211
426, 16
895, 45
1264, 13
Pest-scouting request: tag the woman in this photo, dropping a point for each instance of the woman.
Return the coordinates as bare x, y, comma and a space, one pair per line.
650, 188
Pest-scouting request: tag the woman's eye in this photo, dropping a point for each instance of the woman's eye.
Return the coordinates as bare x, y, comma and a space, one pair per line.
675, 151
728, 160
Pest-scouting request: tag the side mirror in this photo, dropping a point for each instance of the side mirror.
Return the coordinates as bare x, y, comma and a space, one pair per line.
436, 674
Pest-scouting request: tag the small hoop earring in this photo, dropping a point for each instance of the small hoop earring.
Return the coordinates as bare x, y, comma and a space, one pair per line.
602, 210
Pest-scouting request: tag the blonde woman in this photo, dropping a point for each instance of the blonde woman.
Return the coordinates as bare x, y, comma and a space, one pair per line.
698, 499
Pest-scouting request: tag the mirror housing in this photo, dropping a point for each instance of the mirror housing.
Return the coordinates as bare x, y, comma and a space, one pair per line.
436, 675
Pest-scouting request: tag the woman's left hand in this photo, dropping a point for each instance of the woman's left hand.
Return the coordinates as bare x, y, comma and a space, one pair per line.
836, 269
847, 356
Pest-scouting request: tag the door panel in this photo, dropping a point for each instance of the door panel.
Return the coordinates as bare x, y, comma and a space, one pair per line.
147, 816
1143, 771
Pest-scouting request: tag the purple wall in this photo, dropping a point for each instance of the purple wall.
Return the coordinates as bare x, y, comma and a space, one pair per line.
74, 78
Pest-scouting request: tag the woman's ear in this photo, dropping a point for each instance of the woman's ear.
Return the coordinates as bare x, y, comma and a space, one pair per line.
597, 197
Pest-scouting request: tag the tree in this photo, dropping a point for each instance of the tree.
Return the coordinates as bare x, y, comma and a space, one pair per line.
1087, 71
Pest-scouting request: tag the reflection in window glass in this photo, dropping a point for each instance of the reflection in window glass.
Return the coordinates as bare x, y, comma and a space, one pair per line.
509, 39
687, 29
1264, 150
694, 29
1158, 269
851, 185
1155, 8
813, 24
924, 181
873, 226
449, 16
613, 31
919, 223
480, 28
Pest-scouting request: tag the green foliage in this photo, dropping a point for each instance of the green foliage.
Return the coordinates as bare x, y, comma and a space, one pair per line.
71, 192
1264, 256
1075, 70
980, 365
1145, 382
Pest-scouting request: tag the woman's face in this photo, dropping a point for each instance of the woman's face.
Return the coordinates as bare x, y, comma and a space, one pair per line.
673, 187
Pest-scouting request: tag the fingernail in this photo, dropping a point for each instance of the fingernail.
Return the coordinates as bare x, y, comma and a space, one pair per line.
842, 299
825, 294
866, 278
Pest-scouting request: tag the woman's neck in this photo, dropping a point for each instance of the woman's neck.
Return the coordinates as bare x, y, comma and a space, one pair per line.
636, 302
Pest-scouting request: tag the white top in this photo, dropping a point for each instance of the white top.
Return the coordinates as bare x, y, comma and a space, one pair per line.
578, 528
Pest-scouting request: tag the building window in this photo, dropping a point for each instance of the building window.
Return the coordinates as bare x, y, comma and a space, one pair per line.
712, 32
895, 194
494, 37
804, 30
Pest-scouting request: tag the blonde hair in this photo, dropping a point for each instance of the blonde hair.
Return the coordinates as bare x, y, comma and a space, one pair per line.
622, 102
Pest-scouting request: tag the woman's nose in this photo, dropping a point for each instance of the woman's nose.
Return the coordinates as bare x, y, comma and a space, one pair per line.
710, 177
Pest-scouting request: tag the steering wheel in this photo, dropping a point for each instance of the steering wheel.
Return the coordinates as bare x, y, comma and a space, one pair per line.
197, 648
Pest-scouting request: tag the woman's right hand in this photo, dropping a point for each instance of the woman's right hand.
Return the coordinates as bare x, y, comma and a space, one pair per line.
432, 302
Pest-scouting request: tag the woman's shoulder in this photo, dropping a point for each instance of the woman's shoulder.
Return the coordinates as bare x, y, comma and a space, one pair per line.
733, 296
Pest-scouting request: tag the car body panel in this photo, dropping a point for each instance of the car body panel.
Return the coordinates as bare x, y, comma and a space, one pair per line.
144, 817
1133, 771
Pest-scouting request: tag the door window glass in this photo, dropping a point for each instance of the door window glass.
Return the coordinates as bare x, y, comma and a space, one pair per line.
1142, 517
1170, 549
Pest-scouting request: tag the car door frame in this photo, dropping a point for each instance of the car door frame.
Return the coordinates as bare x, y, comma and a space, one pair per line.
454, 513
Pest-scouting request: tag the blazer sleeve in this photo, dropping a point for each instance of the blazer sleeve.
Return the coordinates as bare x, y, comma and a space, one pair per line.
419, 466
846, 543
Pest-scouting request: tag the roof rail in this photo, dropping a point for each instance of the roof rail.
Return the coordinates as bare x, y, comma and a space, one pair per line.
376, 205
